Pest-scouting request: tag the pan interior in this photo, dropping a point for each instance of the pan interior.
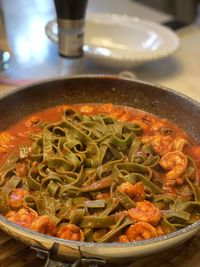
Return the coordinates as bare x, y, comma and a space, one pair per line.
162, 102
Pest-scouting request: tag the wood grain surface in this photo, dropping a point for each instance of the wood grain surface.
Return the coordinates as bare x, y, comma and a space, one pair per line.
15, 254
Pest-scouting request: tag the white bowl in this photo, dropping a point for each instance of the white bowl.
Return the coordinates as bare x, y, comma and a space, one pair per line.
121, 40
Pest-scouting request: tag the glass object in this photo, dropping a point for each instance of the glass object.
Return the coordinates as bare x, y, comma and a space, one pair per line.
4, 49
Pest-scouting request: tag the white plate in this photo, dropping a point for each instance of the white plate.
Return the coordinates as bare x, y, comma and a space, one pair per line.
120, 40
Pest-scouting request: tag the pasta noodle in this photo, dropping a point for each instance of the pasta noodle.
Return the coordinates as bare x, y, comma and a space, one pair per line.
99, 173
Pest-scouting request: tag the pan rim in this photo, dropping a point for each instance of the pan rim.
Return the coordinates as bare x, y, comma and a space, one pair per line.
98, 76
170, 236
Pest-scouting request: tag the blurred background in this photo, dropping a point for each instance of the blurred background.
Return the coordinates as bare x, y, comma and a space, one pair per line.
183, 10
34, 56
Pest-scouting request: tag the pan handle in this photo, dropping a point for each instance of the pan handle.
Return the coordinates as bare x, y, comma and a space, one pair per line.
78, 263
83, 262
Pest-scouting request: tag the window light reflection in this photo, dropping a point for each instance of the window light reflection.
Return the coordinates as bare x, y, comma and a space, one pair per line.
151, 41
102, 51
32, 46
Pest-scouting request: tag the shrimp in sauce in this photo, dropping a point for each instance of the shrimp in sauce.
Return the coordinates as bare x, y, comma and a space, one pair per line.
161, 144
141, 231
4, 141
123, 239
145, 211
175, 163
157, 126
134, 191
43, 224
16, 198
24, 216
70, 232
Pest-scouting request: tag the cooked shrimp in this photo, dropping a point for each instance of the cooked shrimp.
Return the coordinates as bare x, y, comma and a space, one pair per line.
123, 239
33, 120
86, 109
146, 118
108, 107
141, 231
43, 224
175, 163
161, 143
4, 138
159, 230
23, 217
124, 117
119, 114
11, 215
157, 126
16, 198
4, 141
134, 191
70, 232
145, 211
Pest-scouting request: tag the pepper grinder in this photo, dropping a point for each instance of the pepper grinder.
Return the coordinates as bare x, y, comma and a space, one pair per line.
70, 20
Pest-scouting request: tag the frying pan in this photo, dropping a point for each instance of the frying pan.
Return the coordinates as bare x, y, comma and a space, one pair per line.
155, 99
